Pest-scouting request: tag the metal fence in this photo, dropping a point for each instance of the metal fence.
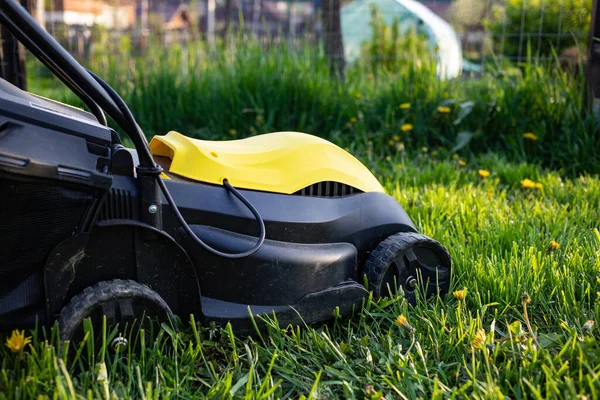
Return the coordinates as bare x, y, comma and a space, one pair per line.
506, 31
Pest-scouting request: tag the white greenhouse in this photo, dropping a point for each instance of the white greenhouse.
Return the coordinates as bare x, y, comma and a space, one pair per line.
356, 17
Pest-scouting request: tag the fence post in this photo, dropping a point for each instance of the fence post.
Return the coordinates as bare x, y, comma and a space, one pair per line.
210, 22
12, 57
593, 67
334, 44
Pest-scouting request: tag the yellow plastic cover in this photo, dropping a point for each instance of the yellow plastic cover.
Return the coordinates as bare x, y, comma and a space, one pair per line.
281, 162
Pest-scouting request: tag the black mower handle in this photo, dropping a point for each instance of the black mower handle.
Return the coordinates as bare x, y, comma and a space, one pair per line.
98, 96
39, 42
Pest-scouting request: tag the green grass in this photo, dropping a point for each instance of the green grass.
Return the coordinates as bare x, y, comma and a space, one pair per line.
249, 91
498, 234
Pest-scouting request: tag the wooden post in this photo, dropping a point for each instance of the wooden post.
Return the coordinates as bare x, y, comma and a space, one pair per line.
593, 67
40, 12
334, 45
12, 57
210, 21
144, 32
227, 22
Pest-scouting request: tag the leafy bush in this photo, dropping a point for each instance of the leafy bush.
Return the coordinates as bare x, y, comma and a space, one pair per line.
563, 24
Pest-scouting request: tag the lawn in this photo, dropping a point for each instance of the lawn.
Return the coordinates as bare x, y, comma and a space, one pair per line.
522, 325
503, 171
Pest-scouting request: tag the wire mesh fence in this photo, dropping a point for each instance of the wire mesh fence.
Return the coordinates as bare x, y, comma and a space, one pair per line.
466, 36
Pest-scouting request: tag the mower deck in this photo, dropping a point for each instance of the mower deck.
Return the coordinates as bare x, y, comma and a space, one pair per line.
284, 224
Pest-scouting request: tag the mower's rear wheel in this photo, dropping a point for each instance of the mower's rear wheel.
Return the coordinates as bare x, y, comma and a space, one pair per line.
128, 307
410, 261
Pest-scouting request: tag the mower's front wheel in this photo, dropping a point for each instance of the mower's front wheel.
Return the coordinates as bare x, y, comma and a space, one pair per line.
410, 261
128, 307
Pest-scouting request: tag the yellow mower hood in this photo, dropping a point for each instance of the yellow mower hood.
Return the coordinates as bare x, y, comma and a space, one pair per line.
280, 162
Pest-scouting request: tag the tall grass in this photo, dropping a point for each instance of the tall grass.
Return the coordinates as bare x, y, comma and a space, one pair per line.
240, 91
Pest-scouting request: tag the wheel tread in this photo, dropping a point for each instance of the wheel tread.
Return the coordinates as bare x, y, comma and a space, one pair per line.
79, 304
388, 249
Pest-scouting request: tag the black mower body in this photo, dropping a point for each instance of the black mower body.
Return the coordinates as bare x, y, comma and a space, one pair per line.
92, 230
72, 213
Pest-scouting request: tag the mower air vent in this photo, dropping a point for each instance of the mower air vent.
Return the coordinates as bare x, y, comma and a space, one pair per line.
328, 189
118, 205
36, 217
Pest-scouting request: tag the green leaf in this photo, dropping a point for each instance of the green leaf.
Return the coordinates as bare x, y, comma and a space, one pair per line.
447, 103
516, 328
462, 139
463, 111
241, 382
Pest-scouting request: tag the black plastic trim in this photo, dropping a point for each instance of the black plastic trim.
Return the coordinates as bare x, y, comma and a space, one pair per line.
278, 273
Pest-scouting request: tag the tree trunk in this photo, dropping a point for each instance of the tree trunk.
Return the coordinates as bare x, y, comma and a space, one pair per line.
334, 45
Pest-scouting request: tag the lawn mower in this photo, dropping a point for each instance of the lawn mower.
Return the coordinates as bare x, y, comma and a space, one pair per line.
283, 224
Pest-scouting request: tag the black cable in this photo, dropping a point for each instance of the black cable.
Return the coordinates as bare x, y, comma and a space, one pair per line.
198, 241
134, 126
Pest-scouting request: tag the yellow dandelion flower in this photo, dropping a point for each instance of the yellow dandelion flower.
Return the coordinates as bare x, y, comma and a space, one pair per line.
483, 173
455, 156
400, 146
444, 109
402, 321
479, 339
404, 106
399, 166
530, 136
232, 132
396, 138
462, 163
406, 128
553, 245
391, 142
539, 185
17, 341
528, 184
353, 120
388, 158
358, 95
424, 149
460, 294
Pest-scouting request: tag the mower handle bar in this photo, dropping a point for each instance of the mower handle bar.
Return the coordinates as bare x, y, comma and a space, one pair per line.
98, 96
40, 43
